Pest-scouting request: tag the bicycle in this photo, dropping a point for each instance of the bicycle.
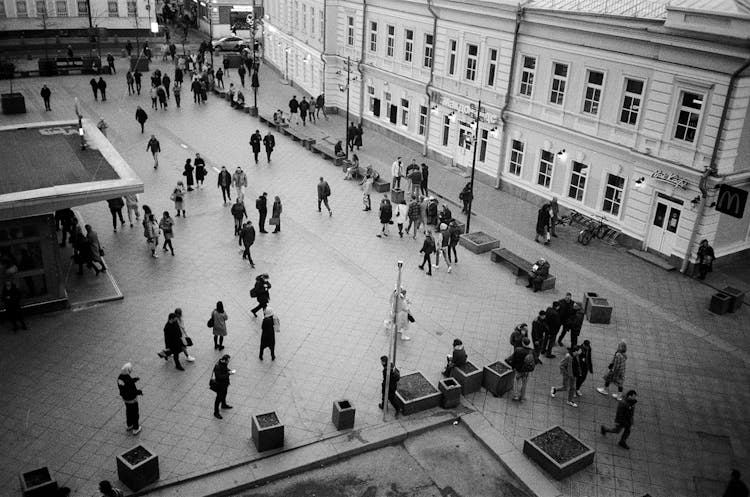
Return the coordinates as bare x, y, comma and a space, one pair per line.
593, 230
566, 219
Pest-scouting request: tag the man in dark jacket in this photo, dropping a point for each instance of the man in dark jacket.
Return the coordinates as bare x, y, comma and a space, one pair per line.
129, 393
262, 205
247, 235
566, 311
324, 191
46, 93
294, 110
539, 272
269, 142
543, 220
238, 213
574, 324
12, 302
102, 85
553, 324
255, 141
224, 181
538, 330
173, 339
155, 147
623, 418
392, 385
425, 178
519, 361
428, 248
414, 213
457, 358
115, 208
519, 333
304, 107
137, 75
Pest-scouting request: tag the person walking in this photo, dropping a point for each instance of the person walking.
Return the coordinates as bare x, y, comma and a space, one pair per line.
166, 225
260, 292
188, 173
366, 186
543, 220
269, 327
270, 143
261, 204
565, 311
115, 208
520, 332
554, 216
414, 213
129, 48
239, 180
95, 250
276, 214
705, 259
304, 107
386, 215
523, 363
568, 365
221, 374
247, 238
173, 340
255, 140
224, 181
151, 232
425, 178
111, 63
466, 196
155, 147
238, 212
200, 170
166, 82
141, 117
220, 77
442, 241
177, 91
161, 94
131, 206
294, 110
428, 248
102, 85
623, 418
397, 171
395, 377
218, 323
400, 217
94, 88
46, 93
12, 302
358, 136
736, 487
152, 93
186, 340
414, 175
129, 393
178, 196
351, 132
616, 373
320, 106
538, 331
130, 81
137, 75
585, 366
454, 234
324, 191
553, 324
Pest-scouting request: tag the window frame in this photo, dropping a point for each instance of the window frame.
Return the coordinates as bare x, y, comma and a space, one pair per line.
429, 50
350, 31
515, 167
312, 20
43, 11
492, 66
374, 36
423, 113
615, 203
24, 12
132, 7
483, 139
3, 13
580, 184
472, 62
597, 90
452, 55
390, 40
628, 94
404, 114
524, 81
446, 130
544, 177
304, 18
408, 45
558, 84
681, 107
84, 12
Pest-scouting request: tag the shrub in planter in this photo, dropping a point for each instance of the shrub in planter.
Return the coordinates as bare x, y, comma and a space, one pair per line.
451, 390
479, 242
38, 483
558, 452
138, 467
498, 378
469, 376
343, 415
267, 432
7, 70
13, 103
47, 67
415, 393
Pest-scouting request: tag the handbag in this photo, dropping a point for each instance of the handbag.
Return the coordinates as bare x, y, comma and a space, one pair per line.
274, 221
212, 385
187, 341
210, 322
101, 252
410, 317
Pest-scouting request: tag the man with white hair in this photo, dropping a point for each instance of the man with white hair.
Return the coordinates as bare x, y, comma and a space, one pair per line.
539, 272
129, 393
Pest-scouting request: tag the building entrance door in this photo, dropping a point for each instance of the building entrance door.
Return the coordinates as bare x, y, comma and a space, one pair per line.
663, 230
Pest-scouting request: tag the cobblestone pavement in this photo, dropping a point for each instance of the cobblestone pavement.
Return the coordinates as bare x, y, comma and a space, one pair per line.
331, 280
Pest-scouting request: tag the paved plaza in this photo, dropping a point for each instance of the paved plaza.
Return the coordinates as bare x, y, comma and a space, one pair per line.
331, 281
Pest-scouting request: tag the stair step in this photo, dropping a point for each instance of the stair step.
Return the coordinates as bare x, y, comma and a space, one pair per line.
652, 258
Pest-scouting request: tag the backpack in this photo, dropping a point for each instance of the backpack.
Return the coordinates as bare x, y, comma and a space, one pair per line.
529, 362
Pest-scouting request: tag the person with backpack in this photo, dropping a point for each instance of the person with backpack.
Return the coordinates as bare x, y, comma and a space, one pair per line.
260, 292
386, 213
428, 248
324, 191
568, 368
261, 204
523, 362
455, 236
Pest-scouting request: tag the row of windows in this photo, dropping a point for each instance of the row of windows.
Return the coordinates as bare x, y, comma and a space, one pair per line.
688, 114
311, 23
390, 42
61, 8
576, 187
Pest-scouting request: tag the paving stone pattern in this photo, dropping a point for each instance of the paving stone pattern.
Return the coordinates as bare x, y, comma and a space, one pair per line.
331, 281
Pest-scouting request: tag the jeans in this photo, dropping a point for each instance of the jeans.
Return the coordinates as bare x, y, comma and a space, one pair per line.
133, 209
325, 202
452, 249
580, 379
262, 221
549, 342
246, 255
570, 385
225, 193
132, 415
115, 214
519, 385
416, 222
168, 243
426, 260
617, 429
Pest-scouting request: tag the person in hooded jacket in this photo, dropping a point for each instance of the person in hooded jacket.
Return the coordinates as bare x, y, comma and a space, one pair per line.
623, 418
428, 248
129, 393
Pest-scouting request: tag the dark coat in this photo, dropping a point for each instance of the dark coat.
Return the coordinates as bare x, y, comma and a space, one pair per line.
261, 291
141, 116
45, 93
543, 220
115, 204
575, 322
584, 361
102, 85
459, 356
293, 106
248, 235
324, 190
128, 390
428, 247
538, 329
173, 337
255, 141
518, 357
268, 334
386, 212
625, 411
12, 299
566, 310
224, 179
221, 375
276, 209
261, 203
553, 320
269, 141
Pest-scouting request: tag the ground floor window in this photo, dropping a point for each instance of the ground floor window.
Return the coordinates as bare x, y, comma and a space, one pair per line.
613, 194
483, 145
546, 163
516, 157
446, 130
578, 181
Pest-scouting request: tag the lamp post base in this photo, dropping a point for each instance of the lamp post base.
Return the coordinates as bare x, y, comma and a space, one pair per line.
284, 81
253, 111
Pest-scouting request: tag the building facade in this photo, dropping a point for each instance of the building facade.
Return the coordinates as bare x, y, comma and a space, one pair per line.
69, 15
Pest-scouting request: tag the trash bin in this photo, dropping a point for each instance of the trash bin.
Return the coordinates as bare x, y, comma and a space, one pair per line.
720, 303
599, 310
397, 196
736, 298
586, 297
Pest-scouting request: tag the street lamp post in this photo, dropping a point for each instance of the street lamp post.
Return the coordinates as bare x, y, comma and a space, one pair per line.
392, 348
211, 28
473, 165
254, 82
346, 123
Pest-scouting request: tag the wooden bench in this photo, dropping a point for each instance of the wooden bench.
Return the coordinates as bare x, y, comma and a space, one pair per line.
521, 266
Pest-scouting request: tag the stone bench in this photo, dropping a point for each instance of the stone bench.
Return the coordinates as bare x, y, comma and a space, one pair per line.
327, 151
521, 266
299, 135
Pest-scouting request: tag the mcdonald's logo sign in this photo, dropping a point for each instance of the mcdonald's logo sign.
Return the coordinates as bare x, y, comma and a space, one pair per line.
731, 201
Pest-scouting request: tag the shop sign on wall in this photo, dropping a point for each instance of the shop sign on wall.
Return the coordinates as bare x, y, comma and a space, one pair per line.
673, 179
731, 201
468, 110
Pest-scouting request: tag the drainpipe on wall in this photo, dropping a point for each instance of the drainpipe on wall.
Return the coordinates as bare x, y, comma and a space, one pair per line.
712, 168
361, 62
425, 147
323, 52
506, 102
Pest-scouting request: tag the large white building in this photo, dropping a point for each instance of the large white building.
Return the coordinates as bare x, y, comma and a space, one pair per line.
637, 112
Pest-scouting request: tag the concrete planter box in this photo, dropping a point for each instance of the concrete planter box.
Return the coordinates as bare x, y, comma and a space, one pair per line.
587, 296
38, 483
343, 415
13, 103
498, 378
469, 376
139, 63
137, 468
599, 311
558, 452
415, 393
267, 431
478, 242
451, 393
720, 303
737, 297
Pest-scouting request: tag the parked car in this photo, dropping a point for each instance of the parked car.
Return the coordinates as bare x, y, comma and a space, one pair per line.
230, 43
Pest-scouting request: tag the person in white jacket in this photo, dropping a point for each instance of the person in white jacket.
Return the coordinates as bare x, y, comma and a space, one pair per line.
239, 181
402, 211
397, 171
442, 241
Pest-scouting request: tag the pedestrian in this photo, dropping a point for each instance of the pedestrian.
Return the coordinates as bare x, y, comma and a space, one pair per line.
616, 373
107, 490
585, 366
428, 248
147, 51
294, 110
161, 94
115, 208
543, 220
95, 250
568, 365
351, 133
94, 88
241, 71
414, 213
255, 140
539, 272
165, 81
445, 215
177, 91
397, 171
736, 487
523, 363
166, 225
401, 217
269, 327
12, 303
137, 75
324, 191
151, 232
65, 219
414, 175
178, 75
425, 178
538, 330
554, 215
276, 214
553, 324
574, 324
200, 168
320, 106
520, 332
431, 211
247, 238
624, 419
220, 382
454, 233
172, 51
311, 111
102, 85
403, 317
111, 63
238, 212
269, 142
224, 181
239, 180
705, 259
129, 48
80, 248
218, 323
260, 292
154, 146
261, 204
131, 206
366, 186
188, 173
566, 312
220, 78
304, 107
46, 93
456, 358
129, 393
225, 63
178, 197
466, 196
172, 341
186, 340
386, 213
130, 82
358, 136
195, 87
392, 384
442, 240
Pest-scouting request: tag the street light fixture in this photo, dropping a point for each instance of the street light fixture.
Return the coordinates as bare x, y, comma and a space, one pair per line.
343, 88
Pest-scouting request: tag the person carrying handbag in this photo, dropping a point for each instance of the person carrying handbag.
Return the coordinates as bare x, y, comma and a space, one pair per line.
186, 340
219, 383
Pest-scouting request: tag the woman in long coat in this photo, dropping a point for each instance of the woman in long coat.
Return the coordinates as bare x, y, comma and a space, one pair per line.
188, 173
268, 333
276, 213
200, 170
219, 318
178, 195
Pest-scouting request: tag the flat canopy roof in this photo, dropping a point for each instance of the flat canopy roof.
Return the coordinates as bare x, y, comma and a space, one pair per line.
43, 169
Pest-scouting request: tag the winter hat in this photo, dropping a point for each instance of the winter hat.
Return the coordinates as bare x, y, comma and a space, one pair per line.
267, 312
